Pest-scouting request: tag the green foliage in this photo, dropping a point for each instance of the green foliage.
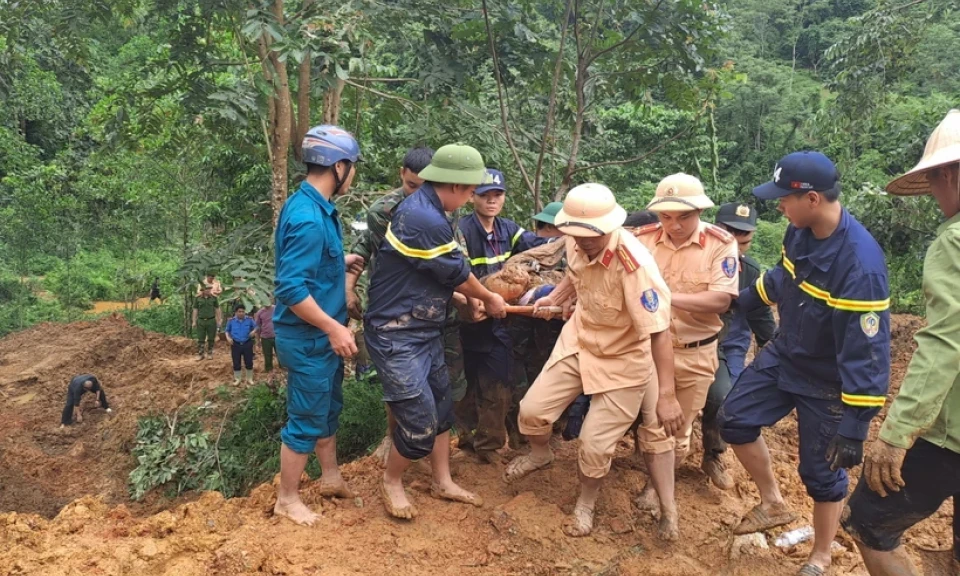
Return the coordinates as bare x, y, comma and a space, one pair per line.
166, 318
363, 421
768, 241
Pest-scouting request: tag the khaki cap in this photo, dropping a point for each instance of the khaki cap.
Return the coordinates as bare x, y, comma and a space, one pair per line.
943, 147
455, 164
589, 210
679, 193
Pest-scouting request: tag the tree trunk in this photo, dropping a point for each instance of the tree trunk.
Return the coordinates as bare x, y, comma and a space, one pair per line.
581, 82
331, 103
302, 124
280, 126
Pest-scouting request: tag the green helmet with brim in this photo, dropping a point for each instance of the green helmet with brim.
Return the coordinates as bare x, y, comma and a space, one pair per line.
455, 164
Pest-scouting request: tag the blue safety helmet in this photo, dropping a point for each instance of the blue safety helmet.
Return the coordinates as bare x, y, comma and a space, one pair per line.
326, 145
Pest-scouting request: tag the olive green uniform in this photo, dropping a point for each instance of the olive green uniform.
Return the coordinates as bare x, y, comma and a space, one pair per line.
206, 307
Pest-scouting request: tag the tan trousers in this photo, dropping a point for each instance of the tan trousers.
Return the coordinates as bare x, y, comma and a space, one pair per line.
694, 369
610, 416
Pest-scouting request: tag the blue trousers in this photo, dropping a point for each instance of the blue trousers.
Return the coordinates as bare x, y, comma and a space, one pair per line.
416, 385
756, 402
314, 391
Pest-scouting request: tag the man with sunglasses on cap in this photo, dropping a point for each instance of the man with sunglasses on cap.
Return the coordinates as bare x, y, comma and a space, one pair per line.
620, 323
914, 465
419, 267
700, 265
487, 345
735, 339
830, 360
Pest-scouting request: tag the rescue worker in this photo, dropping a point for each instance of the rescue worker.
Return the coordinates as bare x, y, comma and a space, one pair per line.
311, 316
80, 385
544, 221
914, 465
419, 267
619, 324
487, 346
207, 317
735, 339
830, 360
699, 263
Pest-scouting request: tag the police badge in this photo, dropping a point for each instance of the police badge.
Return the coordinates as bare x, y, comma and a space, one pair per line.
650, 300
729, 266
870, 324
743, 211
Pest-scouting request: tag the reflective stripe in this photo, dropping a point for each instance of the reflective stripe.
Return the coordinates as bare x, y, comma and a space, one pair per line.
419, 252
862, 401
762, 291
516, 237
838, 303
489, 259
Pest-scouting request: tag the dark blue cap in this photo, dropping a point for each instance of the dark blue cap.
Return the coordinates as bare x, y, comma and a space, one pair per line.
800, 172
492, 180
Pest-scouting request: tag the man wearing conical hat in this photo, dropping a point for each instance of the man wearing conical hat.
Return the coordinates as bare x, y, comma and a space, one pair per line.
699, 263
914, 466
619, 325
830, 361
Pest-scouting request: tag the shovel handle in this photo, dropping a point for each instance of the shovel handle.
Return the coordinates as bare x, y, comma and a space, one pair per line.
528, 310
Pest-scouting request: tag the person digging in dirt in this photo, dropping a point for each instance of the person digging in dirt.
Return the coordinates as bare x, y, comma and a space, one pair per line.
914, 465
830, 359
419, 266
487, 346
735, 339
241, 331
266, 335
621, 322
310, 319
79, 386
207, 317
699, 263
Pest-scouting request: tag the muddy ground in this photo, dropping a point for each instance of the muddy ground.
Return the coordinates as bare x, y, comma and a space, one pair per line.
517, 531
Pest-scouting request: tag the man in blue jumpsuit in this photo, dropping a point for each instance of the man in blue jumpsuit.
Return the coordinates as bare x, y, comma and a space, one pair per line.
311, 315
487, 345
830, 359
418, 268
735, 340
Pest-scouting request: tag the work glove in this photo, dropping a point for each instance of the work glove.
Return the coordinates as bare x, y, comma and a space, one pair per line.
844, 452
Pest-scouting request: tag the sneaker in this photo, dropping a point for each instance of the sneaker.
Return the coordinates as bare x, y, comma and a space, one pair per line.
716, 471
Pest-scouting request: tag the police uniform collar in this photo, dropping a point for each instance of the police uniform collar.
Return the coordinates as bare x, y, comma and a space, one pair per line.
318, 198
826, 253
431, 195
609, 252
698, 237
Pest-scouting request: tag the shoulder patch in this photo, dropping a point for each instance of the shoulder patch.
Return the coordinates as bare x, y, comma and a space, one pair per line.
649, 228
729, 266
627, 258
870, 324
650, 300
720, 233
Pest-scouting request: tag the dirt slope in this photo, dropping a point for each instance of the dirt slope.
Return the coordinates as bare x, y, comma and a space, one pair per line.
516, 532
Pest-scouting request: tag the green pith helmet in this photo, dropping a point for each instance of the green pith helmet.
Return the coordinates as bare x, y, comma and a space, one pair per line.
455, 164
549, 212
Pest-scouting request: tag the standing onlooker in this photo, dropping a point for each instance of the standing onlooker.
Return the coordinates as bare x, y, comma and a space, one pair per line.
241, 331
206, 318
210, 281
265, 334
155, 290
75, 390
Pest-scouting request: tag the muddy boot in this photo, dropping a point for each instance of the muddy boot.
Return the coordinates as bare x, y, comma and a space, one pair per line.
715, 469
250, 376
236, 377
200, 355
209, 354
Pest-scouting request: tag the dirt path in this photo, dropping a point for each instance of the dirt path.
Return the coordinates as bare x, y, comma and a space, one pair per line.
516, 532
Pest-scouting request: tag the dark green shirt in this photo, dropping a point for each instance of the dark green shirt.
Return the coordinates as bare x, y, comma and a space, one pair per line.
206, 307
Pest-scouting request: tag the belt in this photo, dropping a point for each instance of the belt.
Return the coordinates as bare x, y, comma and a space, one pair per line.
700, 343
210, 318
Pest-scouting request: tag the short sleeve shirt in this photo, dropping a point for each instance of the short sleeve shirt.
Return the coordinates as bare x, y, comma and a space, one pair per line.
621, 301
206, 307
707, 261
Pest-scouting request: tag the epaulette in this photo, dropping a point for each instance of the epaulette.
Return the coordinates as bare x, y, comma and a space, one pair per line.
649, 228
720, 233
627, 259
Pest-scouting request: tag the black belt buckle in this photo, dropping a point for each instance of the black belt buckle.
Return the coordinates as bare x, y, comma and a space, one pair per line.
703, 342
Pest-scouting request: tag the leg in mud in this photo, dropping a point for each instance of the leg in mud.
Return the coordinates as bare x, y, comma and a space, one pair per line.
289, 504
658, 450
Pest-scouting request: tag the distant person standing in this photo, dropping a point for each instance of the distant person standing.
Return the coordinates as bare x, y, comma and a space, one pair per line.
241, 331
155, 290
266, 335
206, 318
78, 386
210, 281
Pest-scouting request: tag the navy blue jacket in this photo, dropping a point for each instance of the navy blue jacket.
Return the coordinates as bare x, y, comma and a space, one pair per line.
418, 266
834, 338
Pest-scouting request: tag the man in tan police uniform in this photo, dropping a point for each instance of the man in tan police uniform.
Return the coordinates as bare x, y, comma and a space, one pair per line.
620, 322
699, 262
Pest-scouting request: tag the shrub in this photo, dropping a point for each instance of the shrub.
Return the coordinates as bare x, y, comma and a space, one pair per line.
166, 318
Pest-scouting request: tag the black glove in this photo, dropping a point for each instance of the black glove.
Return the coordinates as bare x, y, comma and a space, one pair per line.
844, 452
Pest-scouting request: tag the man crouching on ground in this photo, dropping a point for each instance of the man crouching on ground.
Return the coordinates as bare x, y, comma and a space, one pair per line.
622, 317
418, 268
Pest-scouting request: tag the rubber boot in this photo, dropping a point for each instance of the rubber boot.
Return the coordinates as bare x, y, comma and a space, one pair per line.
236, 377
250, 376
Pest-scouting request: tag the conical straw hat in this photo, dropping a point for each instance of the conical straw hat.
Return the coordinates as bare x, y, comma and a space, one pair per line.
943, 147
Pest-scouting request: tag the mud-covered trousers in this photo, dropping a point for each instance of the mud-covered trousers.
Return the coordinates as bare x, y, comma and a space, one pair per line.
416, 386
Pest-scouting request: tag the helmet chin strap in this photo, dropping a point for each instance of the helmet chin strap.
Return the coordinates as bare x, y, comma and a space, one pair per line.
337, 180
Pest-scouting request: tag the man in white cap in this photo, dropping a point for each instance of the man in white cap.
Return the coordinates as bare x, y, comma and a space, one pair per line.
914, 465
699, 262
620, 321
